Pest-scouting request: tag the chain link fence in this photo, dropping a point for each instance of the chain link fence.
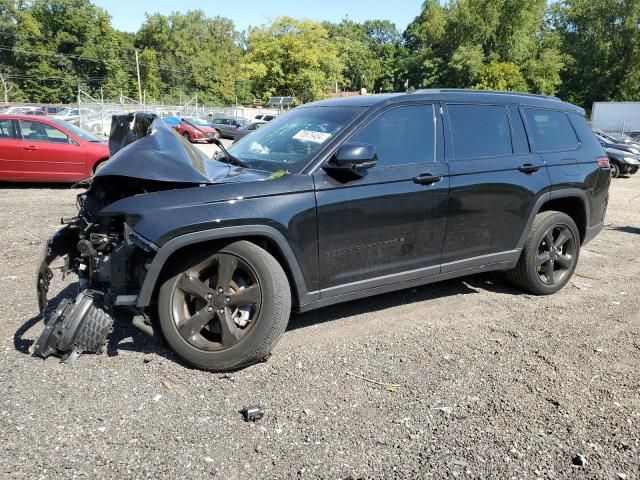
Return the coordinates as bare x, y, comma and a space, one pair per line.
94, 114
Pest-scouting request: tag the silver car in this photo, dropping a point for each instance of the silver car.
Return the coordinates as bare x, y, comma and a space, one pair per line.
228, 125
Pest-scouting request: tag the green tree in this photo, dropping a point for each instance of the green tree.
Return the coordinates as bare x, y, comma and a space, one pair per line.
476, 42
62, 44
601, 41
292, 57
385, 41
504, 76
361, 67
195, 54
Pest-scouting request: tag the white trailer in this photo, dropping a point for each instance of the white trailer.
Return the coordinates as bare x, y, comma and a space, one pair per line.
619, 117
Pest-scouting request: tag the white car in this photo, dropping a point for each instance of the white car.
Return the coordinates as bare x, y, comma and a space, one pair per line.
24, 110
73, 114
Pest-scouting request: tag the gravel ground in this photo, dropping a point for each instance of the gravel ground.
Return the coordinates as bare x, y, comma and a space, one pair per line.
476, 380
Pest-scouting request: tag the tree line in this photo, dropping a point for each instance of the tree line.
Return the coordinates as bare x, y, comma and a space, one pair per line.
580, 50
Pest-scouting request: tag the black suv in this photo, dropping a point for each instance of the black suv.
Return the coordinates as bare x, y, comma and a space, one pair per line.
335, 200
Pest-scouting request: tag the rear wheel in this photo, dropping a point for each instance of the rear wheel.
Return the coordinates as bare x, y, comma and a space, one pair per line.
187, 137
550, 254
227, 310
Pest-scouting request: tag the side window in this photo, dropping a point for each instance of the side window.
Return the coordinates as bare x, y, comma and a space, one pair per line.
479, 131
402, 135
40, 132
6, 129
550, 130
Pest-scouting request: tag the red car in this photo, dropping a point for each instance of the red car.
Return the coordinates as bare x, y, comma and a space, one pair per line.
195, 130
43, 149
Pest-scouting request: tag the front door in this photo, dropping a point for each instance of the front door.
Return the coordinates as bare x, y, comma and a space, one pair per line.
387, 226
10, 151
50, 154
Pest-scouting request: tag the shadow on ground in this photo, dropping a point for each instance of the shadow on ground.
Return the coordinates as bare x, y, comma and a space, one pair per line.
626, 229
492, 282
125, 337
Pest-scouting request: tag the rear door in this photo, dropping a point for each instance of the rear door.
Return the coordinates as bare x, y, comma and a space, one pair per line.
386, 225
11, 167
495, 182
49, 154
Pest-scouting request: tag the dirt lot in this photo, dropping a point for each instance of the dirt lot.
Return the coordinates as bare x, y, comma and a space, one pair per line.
492, 383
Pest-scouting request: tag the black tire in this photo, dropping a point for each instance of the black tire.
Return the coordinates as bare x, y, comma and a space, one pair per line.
264, 330
187, 137
530, 274
615, 169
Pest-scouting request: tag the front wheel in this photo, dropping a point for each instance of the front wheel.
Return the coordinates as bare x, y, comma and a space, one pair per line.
226, 311
549, 256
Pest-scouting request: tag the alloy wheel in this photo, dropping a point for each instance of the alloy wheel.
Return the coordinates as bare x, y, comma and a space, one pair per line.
217, 302
556, 255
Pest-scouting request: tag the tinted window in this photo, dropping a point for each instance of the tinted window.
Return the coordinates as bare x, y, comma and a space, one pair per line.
550, 130
402, 135
41, 132
479, 131
6, 130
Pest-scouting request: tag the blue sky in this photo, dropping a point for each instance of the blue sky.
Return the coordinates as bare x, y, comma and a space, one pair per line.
129, 15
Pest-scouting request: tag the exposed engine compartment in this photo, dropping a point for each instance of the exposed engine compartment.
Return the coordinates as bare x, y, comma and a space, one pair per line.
104, 251
109, 260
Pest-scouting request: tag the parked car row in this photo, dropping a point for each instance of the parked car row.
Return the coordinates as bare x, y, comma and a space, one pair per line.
623, 152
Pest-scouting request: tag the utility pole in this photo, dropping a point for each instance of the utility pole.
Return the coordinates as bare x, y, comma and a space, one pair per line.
138, 72
5, 87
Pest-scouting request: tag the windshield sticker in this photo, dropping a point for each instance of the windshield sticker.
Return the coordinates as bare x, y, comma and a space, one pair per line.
311, 136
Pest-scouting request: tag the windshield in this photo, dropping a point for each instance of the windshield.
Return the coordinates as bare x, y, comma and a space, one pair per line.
77, 131
290, 141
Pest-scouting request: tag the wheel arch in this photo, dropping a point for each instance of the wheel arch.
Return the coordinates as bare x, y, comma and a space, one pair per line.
97, 164
571, 201
264, 236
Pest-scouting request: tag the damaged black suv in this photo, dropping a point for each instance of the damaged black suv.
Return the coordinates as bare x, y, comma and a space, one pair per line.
333, 201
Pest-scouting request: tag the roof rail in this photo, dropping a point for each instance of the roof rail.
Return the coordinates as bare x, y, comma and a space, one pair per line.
498, 92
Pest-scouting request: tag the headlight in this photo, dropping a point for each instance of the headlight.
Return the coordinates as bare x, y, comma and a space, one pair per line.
632, 161
635, 151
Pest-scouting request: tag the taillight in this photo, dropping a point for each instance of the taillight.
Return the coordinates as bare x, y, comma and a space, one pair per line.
603, 162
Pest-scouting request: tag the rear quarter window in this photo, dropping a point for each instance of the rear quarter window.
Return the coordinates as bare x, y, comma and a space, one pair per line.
550, 130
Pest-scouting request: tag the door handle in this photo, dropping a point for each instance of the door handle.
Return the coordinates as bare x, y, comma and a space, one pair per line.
529, 168
31, 148
426, 179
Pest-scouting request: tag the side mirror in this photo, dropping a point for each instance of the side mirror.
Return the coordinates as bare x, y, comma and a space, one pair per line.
352, 158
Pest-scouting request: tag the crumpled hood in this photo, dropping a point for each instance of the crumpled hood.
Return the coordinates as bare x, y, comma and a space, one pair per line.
143, 146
